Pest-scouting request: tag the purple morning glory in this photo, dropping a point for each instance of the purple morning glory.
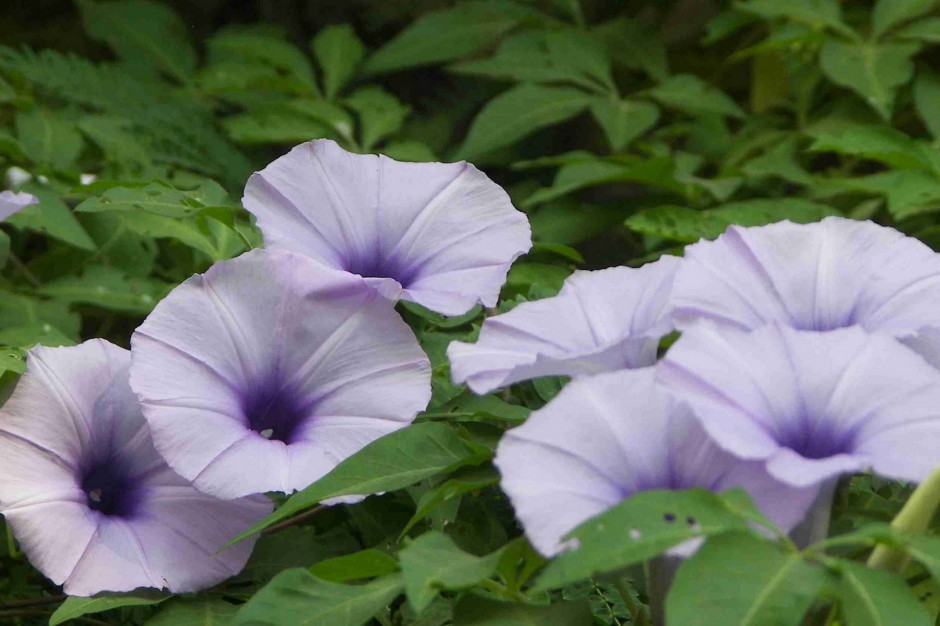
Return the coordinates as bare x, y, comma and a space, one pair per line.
811, 405
442, 235
830, 274
266, 371
606, 437
601, 321
11, 202
92, 504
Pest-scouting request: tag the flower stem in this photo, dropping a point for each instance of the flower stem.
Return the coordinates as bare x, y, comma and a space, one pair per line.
914, 517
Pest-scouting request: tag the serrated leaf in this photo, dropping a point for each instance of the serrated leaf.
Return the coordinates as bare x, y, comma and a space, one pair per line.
873, 71
74, 607
48, 139
877, 598
194, 612
624, 120
739, 578
519, 112
474, 610
339, 52
356, 566
691, 94
295, 597
397, 460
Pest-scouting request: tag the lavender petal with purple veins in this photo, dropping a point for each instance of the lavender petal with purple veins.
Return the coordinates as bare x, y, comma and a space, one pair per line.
90, 501
606, 437
442, 235
268, 370
11, 202
601, 321
822, 276
812, 406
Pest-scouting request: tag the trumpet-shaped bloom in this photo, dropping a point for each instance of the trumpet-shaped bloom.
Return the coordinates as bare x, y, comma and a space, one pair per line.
822, 276
11, 202
442, 235
607, 437
600, 321
89, 499
266, 371
811, 405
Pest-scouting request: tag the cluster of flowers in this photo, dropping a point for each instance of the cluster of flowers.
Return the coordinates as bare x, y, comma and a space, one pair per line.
806, 353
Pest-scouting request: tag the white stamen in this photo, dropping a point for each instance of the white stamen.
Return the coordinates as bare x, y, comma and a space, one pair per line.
267, 433
94, 495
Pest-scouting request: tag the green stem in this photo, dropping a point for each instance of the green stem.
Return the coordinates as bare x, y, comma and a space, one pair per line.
915, 517
638, 612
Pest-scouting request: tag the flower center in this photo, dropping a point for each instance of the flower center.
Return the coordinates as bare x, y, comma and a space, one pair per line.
275, 412
377, 267
109, 489
816, 441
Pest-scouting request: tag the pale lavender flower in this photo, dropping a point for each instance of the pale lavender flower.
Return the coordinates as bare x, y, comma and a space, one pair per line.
268, 370
600, 321
90, 501
609, 436
811, 405
11, 202
822, 276
442, 235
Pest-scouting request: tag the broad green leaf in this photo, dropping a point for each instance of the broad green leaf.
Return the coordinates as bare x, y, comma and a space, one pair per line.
574, 223
73, 607
464, 481
879, 143
157, 198
624, 120
397, 460
36, 333
681, 223
290, 121
519, 112
741, 579
264, 60
380, 114
927, 100
295, 597
469, 406
143, 33
635, 45
877, 598
12, 360
642, 527
48, 139
433, 563
571, 177
563, 55
4, 249
547, 278
119, 144
356, 566
814, 13
691, 94
908, 193
339, 52
109, 288
873, 71
51, 317
926, 550
446, 35
474, 610
52, 217
194, 612
889, 13
297, 546
409, 150
780, 162
927, 30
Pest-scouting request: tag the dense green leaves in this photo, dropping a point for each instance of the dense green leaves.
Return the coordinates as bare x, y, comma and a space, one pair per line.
477, 611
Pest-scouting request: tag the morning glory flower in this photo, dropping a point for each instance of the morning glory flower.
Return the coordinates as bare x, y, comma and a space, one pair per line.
609, 436
266, 371
601, 321
822, 276
811, 405
442, 235
11, 202
90, 501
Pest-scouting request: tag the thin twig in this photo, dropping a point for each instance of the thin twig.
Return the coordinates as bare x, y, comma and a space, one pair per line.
294, 520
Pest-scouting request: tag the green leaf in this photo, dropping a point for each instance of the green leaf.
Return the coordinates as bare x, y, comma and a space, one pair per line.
738, 578
73, 607
571, 177
473, 610
877, 598
339, 52
463, 481
47, 139
380, 114
12, 360
446, 35
144, 34
681, 223
291, 121
691, 94
194, 612
927, 30
909, 193
260, 59
779, 162
633, 44
296, 597
433, 562
109, 288
33, 319
52, 217
519, 112
548, 278
296, 546
357, 566
158, 198
813, 13
644, 526
927, 100
878, 143
873, 71
889, 13
397, 460
624, 120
